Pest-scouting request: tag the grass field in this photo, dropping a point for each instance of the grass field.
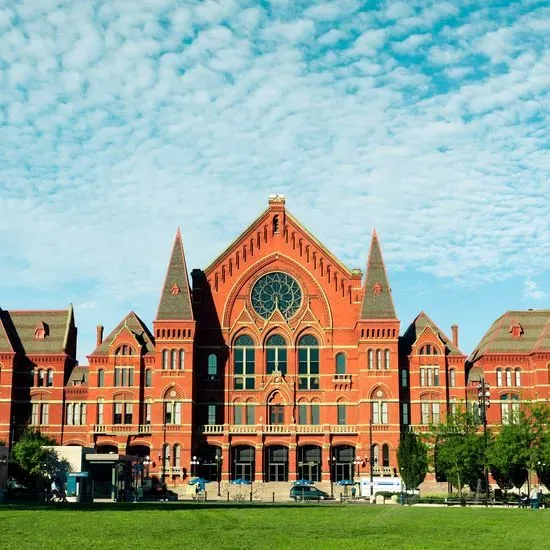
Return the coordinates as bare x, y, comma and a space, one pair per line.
191, 525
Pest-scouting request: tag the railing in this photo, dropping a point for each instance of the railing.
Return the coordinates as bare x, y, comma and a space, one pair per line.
211, 429
99, 428
243, 429
420, 427
382, 471
343, 429
309, 429
145, 428
276, 429
174, 470
341, 378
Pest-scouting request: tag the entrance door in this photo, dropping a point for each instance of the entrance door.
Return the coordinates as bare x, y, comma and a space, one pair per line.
309, 463
343, 467
276, 463
243, 463
343, 470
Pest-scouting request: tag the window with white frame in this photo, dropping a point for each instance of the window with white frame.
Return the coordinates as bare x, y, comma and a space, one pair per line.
517, 373
75, 414
370, 355
172, 412
124, 376
379, 412
452, 378
308, 363
499, 377
429, 376
387, 359
100, 411
508, 377
244, 360
509, 408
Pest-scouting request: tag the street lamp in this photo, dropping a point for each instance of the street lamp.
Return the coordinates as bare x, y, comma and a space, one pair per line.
194, 465
331, 463
219, 460
357, 463
483, 403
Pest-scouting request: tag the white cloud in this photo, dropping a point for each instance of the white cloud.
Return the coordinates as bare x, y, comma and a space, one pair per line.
115, 130
532, 290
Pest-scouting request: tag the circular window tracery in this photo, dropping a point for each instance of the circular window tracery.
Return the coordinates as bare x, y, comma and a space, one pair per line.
276, 291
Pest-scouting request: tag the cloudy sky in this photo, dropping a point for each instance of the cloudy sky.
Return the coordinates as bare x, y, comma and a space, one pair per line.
121, 120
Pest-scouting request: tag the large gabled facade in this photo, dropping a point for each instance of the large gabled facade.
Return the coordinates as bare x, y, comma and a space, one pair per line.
276, 362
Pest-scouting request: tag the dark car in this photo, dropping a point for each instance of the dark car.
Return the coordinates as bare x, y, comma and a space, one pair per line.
307, 492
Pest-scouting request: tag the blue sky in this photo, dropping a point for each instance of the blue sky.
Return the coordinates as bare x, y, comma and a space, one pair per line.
121, 120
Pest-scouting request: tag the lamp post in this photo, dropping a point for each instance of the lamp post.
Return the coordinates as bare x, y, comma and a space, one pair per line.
484, 402
219, 460
331, 463
194, 464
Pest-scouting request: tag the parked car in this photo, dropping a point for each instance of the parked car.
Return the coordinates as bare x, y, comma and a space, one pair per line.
307, 492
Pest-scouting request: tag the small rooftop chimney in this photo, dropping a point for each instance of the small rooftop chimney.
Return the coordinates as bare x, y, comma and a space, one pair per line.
454, 328
99, 335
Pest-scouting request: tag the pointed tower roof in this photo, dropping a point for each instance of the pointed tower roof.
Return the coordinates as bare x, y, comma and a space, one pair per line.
377, 300
175, 300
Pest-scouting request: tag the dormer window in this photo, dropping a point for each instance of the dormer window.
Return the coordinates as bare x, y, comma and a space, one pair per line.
429, 349
124, 350
516, 330
41, 331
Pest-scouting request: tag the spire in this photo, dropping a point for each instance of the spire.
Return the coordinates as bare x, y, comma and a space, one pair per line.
175, 300
377, 300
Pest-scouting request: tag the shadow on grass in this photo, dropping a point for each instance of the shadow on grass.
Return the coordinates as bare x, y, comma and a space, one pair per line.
165, 506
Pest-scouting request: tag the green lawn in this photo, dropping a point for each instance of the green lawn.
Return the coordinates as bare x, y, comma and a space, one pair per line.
191, 525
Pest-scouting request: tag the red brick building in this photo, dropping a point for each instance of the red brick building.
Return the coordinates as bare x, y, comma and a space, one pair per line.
278, 363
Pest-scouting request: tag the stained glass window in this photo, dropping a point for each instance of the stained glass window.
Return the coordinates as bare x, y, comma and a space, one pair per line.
276, 291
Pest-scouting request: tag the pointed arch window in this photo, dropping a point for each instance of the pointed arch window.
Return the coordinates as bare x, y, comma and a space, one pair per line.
308, 363
181, 359
212, 367
378, 359
244, 358
517, 373
508, 377
165, 359
177, 455
49, 378
276, 354
499, 377
371, 359
387, 359
341, 363
174, 359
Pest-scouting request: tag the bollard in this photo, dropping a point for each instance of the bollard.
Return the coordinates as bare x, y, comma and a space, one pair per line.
250, 495
205, 496
341, 498
227, 496
273, 496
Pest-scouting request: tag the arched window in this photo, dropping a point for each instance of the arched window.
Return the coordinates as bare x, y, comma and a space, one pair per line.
342, 413
238, 413
166, 457
174, 360
308, 363
517, 372
40, 378
148, 378
340, 363
177, 455
385, 455
212, 367
100, 378
370, 359
379, 412
452, 378
404, 378
378, 359
275, 354
182, 359
124, 349
49, 378
165, 359
244, 363
499, 377
509, 408
429, 349
508, 377
387, 359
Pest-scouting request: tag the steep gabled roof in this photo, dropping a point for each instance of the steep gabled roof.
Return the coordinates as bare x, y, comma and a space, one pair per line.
535, 334
298, 225
417, 327
377, 299
78, 376
18, 331
138, 329
175, 300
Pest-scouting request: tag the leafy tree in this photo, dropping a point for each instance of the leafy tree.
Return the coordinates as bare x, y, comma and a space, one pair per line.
460, 449
412, 456
33, 458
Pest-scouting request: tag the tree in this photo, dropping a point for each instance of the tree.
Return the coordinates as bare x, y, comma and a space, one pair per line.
412, 457
33, 457
521, 446
460, 449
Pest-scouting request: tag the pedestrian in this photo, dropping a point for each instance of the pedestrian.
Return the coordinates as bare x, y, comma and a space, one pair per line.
353, 491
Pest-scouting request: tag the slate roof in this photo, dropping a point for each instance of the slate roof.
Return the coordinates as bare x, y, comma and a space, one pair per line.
377, 299
78, 376
417, 327
138, 328
535, 325
175, 300
17, 331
